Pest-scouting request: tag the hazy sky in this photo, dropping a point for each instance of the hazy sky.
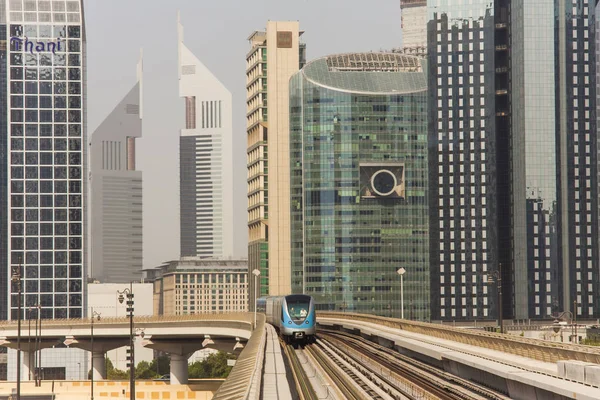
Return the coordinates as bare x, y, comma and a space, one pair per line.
216, 31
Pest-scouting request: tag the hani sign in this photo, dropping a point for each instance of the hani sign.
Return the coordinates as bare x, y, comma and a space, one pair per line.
38, 47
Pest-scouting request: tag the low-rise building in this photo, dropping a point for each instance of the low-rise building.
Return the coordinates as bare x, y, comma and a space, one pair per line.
193, 285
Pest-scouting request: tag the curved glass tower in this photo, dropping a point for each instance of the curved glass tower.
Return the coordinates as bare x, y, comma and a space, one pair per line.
358, 157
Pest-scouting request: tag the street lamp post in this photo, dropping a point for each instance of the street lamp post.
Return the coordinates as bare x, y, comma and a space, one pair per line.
29, 339
556, 327
35, 355
575, 320
129, 293
39, 347
16, 278
256, 274
401, 271
32, 354
496, 276
97, 315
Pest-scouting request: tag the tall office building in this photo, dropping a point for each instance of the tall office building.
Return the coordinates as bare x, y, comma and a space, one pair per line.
597, 45
116, 193
413, 14
206, 161
359, 183
274, 56
43, 155
513, 178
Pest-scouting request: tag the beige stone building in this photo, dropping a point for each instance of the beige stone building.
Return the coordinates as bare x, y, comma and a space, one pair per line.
414, 27
275, 55
197, 286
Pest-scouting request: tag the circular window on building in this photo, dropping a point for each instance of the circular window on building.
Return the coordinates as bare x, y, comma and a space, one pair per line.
383, 182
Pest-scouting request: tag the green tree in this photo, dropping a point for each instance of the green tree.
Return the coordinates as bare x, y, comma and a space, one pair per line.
214, 366
113, 373
144, 371
161, 365
158, 367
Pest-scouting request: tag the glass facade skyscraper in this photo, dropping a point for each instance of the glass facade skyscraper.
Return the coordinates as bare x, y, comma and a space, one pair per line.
44, 162
513, 154
578, 185
463, 158
358, 159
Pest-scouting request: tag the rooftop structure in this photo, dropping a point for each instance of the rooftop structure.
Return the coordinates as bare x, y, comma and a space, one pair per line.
382, 62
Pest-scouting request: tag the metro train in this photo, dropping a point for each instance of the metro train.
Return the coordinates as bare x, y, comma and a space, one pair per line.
293, 316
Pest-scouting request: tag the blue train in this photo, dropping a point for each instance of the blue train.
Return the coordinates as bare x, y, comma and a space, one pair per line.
293, 316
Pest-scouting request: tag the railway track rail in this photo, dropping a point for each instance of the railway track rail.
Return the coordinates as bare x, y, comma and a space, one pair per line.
351, 385
439, 383
303, 385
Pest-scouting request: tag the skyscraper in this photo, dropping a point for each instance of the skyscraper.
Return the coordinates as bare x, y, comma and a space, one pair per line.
116, 192
597, 45
274, 56
414, 26
43, 155
359, 183
462, 173
206, 164
512, 154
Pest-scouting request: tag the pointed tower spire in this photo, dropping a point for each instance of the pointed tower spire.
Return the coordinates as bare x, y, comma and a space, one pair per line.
140, 78
180, 42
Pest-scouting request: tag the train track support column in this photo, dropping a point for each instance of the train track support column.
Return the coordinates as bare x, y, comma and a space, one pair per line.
179, 369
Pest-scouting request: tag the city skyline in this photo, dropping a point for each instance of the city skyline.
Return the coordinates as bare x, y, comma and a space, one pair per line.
430, 203
164, 110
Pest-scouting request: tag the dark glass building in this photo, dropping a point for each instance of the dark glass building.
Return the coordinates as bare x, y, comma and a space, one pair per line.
4, 271
513, 152
43, 179
358, 157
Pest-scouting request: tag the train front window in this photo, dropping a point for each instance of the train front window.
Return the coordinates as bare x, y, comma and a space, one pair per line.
298, 310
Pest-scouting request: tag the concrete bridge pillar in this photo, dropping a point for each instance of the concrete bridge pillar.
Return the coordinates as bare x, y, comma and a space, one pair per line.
179, 369
98, 366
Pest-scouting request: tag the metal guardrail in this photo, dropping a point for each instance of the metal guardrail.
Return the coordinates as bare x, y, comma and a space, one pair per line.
244, 380
536, 349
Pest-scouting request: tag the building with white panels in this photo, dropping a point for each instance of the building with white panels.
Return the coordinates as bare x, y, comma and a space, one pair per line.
116, 193
414, 26
206, 164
